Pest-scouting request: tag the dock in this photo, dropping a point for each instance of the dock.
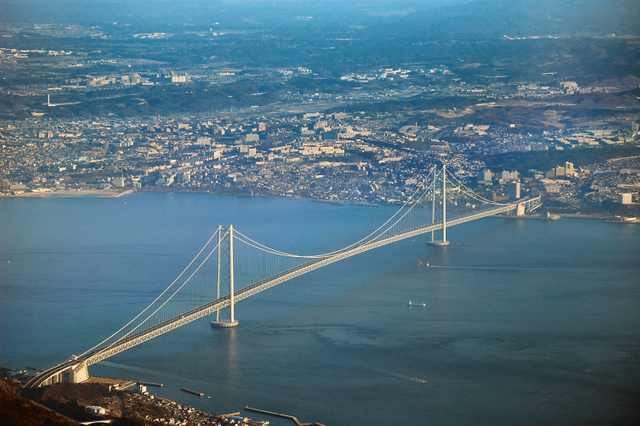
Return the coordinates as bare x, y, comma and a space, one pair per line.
123, 193
200, 394
125, 385
157, 385
283, 416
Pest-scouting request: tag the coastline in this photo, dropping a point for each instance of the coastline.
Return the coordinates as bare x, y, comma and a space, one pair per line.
561, 216
71, 193
112, 193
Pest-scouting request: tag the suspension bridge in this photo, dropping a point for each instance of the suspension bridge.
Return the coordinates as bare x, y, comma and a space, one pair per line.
232, 267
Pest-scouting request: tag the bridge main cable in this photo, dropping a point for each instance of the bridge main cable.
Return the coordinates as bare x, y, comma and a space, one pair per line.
221, 303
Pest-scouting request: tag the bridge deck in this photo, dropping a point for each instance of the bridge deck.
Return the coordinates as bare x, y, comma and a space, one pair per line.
215, 305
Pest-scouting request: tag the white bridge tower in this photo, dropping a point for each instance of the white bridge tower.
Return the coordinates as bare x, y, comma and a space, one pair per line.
225, 263
443, 241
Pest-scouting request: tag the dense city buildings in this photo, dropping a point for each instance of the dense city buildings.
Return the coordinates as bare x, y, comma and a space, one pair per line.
340, 157
112, 107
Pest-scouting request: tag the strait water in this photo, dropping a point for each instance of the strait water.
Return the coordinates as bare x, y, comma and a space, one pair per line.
526, 322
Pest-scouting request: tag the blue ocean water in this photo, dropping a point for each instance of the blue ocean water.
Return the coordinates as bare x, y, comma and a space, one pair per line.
525, 321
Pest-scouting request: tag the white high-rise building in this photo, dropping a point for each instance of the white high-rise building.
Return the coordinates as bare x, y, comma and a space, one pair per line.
626, 198
486, 175
514, 190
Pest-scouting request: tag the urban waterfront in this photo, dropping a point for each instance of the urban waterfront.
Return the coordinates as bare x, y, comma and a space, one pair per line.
525, 321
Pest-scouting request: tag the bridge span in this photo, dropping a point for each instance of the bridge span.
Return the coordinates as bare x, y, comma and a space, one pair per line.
75, 369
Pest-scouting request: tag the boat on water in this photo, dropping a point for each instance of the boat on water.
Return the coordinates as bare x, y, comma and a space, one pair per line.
416, 304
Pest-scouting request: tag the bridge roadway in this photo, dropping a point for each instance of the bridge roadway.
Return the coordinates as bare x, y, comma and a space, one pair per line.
54, 374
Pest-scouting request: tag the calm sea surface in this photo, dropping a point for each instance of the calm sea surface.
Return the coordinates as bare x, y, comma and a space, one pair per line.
526, 322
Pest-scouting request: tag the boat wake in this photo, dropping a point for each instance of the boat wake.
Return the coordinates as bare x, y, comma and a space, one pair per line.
403, 376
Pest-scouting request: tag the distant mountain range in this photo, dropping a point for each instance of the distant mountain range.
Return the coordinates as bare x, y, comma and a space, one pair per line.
439, 18
522, 18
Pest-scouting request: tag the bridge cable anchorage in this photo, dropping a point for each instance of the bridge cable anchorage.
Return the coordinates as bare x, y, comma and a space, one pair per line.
235, 267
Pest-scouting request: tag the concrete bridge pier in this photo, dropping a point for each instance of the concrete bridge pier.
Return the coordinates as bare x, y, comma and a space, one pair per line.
528, 206
438, 243
225, 324
76, 373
